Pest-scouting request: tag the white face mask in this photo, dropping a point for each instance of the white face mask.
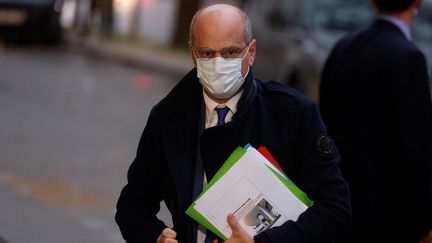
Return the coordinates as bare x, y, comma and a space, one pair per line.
221, 77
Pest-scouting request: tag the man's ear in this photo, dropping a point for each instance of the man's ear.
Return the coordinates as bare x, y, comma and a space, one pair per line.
192, 53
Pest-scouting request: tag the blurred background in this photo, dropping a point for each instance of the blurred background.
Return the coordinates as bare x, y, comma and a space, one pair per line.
79, 77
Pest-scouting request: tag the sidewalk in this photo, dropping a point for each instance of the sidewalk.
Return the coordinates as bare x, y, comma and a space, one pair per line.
171, 62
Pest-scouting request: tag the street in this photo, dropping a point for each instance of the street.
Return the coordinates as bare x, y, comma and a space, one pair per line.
69, 128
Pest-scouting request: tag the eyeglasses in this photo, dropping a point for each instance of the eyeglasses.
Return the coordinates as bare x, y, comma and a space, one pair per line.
226, 53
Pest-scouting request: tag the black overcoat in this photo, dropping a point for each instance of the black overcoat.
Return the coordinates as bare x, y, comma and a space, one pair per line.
269, 114
376, 104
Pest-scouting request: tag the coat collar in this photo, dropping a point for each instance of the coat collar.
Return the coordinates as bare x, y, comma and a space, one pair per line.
382, 24
186, 97
249, 92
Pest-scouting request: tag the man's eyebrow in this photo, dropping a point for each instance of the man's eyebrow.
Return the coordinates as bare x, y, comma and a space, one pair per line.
233, 46
204, 48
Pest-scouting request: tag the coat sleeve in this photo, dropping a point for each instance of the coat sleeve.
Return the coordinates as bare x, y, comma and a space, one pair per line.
139, 200
319, 176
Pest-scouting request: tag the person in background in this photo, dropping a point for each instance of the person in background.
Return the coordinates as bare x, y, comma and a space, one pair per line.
215, 108
375, 101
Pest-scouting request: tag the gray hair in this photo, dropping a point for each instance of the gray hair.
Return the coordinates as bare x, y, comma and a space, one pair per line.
246, 26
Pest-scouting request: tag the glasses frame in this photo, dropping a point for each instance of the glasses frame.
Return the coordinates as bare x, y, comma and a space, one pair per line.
221, 53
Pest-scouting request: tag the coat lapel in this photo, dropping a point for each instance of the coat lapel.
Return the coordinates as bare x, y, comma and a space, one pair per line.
179, 143
179, 137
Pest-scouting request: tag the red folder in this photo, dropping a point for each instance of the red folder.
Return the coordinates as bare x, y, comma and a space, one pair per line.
263, 150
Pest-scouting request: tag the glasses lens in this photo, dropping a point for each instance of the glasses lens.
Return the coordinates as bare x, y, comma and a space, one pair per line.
230, 52
205, 54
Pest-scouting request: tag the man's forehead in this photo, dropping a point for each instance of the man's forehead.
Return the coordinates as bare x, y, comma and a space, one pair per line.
219, 28
217, 40
220, 18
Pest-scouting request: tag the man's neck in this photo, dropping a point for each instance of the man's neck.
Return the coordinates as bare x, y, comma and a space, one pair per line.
405, 16
222, 101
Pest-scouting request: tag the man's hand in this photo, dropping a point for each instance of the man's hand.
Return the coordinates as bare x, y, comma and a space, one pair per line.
167, 236
238, 234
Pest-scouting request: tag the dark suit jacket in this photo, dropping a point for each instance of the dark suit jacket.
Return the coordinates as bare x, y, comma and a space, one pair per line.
375, 101
269, 114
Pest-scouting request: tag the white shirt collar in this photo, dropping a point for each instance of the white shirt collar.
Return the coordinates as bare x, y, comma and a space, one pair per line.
398, 23
211, 115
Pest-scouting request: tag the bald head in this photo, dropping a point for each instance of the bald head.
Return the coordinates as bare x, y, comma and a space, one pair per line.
220, 17
222, 28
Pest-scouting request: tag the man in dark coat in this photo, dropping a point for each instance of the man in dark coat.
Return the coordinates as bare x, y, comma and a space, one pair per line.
185, 138
375, 101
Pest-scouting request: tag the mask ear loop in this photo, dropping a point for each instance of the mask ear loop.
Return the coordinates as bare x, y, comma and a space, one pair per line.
247, 72
194, 54
247, 50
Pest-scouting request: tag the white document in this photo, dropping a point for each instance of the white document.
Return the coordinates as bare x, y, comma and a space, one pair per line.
253, 193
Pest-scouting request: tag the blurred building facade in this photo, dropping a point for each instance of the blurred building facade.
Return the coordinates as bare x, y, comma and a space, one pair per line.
294, 36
